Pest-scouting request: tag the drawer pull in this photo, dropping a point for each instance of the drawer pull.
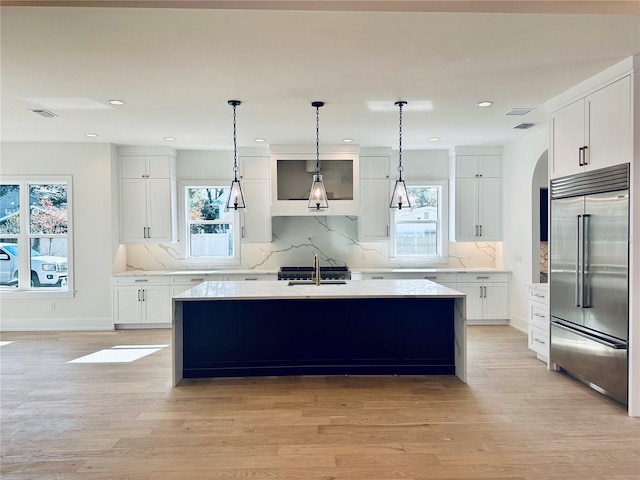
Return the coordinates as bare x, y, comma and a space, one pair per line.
482, 278
251, 278
197, 279
541, 315
539, 341
431, 278
539, 295
141, 280
377, 278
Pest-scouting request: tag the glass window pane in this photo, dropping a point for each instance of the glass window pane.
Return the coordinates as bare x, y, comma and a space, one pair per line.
205, 203
9, 262
10, 209
48, 260
211, 240
416, 239
48, 209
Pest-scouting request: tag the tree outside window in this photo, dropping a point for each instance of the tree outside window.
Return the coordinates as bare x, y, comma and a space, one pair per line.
210, 227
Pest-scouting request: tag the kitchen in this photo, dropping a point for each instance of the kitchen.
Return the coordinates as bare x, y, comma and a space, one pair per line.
98, 252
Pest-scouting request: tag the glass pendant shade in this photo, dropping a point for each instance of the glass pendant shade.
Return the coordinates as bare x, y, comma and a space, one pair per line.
318, 194
399, 197
236, 197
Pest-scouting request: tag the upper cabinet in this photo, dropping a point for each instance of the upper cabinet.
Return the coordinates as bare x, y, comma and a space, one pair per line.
149, 198
292, 170
594, 131
375, 196
256, 219
476, 197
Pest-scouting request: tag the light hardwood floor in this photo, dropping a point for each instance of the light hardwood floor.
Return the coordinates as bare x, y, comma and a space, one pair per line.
513, 420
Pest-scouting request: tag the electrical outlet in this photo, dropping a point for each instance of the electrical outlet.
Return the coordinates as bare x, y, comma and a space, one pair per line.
52, 306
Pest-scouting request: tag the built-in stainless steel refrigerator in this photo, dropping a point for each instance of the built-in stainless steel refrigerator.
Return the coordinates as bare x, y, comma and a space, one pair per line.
589, 278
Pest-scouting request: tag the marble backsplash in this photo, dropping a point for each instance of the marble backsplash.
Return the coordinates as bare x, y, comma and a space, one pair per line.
297, 239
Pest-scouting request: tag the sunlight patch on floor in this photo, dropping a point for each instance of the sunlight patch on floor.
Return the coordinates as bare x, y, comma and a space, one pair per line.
2, 344
119, 354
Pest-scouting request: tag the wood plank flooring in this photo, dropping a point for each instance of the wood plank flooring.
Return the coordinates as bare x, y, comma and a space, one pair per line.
514, 419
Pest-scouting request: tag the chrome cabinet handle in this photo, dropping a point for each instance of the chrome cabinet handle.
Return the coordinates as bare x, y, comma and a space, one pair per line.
539, 315
539, 341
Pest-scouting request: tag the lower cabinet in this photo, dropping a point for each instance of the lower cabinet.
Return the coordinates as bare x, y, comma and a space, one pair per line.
487, 297
141, 301
538, 329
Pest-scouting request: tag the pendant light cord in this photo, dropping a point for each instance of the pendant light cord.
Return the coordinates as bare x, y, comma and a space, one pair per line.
317, 139
235, 145
400, 104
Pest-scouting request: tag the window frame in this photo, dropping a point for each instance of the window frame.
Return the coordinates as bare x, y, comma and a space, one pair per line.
25, 237
184, 232
443, 224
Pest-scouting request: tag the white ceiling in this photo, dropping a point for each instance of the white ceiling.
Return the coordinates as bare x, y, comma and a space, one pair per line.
175, 69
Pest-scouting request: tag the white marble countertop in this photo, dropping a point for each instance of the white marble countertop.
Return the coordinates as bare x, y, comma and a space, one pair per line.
275, 272
280, 289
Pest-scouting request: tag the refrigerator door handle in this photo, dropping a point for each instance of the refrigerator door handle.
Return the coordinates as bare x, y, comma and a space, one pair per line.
578, 295
586, 301
607, 343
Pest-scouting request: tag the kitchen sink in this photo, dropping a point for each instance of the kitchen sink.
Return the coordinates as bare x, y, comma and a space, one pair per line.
312, 282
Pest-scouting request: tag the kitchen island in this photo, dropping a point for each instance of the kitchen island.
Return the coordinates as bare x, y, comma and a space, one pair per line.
365, 327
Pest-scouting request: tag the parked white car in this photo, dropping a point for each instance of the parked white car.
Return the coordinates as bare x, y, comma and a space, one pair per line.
46, 270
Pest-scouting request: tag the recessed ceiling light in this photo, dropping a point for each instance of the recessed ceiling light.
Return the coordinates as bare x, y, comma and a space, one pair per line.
169, 139
91, 135
484, 103
116, 102
434, 139
347, 140
259, 140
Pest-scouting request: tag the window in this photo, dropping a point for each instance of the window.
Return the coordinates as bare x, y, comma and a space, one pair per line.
211, 232
419, 233
35, 218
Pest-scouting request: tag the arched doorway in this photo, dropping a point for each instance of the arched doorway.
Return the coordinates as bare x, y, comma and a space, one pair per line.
539, 218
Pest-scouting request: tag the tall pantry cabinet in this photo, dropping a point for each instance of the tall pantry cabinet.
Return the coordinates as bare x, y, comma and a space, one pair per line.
149, 198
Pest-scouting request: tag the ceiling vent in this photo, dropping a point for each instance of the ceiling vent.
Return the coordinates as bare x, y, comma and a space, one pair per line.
43, 113
524, 126
519, 111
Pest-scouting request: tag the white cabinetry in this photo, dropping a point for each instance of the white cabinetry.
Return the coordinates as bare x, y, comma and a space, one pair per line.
539, 320
256, 219
148, 199
477, 198
141, 301
593, 132
375, 195
487, 297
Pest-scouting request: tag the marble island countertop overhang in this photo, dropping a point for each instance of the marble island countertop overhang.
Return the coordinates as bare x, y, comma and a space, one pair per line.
230, 290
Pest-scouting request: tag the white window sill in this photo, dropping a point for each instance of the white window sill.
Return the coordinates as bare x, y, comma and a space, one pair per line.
40, 293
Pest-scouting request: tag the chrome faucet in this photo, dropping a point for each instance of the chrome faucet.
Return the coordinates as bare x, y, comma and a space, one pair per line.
316, 268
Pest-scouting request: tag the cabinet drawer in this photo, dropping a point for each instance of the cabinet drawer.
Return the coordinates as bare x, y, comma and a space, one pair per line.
434, 277
194, 279
538, 316
382, 276
539, 341
482, 277
141, 280
539, 295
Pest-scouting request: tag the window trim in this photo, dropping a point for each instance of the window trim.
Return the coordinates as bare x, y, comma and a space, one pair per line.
443, 238
24, 237
184, 226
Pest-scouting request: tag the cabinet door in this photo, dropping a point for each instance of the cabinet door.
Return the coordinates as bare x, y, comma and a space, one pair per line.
133, 166
126, 306
159, 210
474, 294
567, 137
374, 167
490, 209
490, 166
466, 166
256, 220
373, 222
254, 167
610, 117
134, 210
159, 166
496, 301
156, 304
466, 208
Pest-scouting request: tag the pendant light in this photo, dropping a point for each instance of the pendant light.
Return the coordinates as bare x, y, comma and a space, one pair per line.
236, 197
318, 194
399, 198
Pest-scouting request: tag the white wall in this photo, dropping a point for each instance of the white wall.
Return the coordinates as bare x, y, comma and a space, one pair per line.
519, 163
94, 236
